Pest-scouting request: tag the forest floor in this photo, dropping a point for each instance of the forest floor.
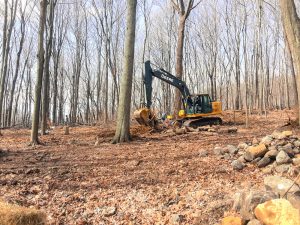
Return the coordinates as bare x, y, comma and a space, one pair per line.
158, 178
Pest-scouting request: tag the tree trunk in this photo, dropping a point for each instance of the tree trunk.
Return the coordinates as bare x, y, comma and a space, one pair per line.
123, 120
46, 100
291, 23
39, 81
179, 65
12, 91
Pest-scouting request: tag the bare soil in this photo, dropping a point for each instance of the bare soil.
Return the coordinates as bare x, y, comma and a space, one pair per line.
158, 178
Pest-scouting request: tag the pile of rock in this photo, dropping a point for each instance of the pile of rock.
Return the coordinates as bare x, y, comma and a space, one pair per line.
281, 149
278, 204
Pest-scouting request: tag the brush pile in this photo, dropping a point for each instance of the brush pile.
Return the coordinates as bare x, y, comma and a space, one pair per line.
17, 215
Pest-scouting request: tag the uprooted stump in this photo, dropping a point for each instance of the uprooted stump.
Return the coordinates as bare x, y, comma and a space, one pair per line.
17, 215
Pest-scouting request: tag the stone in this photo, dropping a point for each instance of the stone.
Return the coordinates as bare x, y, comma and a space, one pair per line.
282, 158
272, 154
256, 160
177, 219
268, 170
296, 161
241, 159
220, 151
297, 143
232, 149
180, 131
284, 168
203, 153
287, 133
280, 185
258, 151
264, 162
254, 222
237, 165
296, 150
255, 141
297, 156
248, 156
277, 211
211, 130
288, 146
281, 143
276, 134
232, 130
246, 201
109, 211
242, 146
270, 148
267, 140
294, 199
227, 156
232, 220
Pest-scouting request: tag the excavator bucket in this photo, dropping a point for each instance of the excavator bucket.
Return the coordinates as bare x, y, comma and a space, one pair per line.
145, 116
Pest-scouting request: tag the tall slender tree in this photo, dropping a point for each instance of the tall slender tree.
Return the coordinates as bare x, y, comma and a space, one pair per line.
184, 11
123, 120
39, 78
46, 89
291, 23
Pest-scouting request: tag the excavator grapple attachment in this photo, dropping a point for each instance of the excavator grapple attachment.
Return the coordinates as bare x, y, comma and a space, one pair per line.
145, 116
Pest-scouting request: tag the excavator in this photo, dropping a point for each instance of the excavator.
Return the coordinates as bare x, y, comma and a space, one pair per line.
199, 109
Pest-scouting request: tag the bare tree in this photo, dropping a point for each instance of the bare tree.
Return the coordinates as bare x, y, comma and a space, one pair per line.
184, 11
40, 69
46, 89
291, 23
123, 120
6, 46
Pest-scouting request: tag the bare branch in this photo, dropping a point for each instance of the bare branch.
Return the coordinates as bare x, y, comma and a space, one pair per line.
176, 7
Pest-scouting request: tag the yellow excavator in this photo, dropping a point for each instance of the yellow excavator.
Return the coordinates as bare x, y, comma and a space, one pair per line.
199, 109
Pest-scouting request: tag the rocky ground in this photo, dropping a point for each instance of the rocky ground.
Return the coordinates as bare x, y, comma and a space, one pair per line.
159, 178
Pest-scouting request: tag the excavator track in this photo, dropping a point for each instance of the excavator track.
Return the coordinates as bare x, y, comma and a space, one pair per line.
203, 121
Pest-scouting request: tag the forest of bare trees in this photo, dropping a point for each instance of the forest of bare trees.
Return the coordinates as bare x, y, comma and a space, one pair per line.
233, 50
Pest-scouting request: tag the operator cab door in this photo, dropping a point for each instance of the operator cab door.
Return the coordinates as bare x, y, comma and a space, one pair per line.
202, 104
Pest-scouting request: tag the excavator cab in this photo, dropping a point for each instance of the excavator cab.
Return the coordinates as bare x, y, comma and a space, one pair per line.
201, 104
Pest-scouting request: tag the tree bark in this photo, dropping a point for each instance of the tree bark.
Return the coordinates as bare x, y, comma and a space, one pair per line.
291, 23
46, 89
39, 80
123, 120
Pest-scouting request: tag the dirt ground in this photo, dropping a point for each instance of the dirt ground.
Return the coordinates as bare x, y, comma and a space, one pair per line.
158, 178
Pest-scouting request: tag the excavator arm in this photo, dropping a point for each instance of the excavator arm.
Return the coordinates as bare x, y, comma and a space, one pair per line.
166, 77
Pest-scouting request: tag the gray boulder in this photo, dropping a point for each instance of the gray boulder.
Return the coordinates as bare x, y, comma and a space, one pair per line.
297, 143
284, 168
272, 154
280, 185
237, 165
263, 162
248, 156
296, 161
267, 140
232, 149
282, 158
246, 201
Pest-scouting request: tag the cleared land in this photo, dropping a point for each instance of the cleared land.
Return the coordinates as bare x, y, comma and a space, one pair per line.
158, 178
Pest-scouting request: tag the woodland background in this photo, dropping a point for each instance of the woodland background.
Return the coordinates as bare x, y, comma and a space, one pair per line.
234, 50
